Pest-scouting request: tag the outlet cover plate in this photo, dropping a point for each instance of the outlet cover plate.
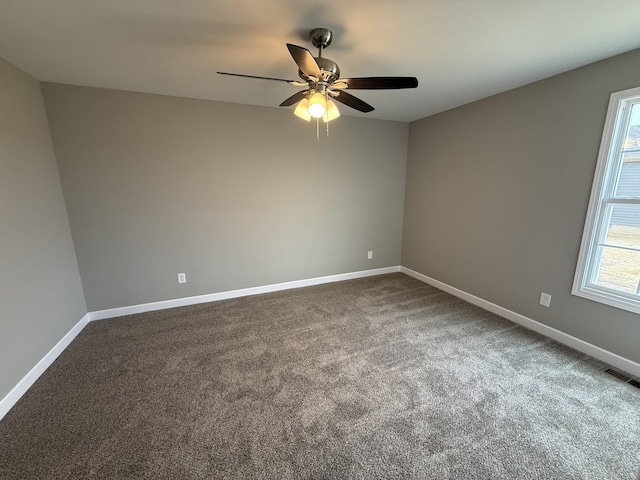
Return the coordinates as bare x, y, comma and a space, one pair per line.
545, 299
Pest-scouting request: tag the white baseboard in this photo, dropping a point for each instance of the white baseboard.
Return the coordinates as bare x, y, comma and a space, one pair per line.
243, 292
30, 378
612, 359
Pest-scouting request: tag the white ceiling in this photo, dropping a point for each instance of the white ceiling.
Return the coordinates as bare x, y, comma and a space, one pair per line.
460, 50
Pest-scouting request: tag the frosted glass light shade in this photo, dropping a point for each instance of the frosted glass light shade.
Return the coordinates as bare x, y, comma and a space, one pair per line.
332, 111
302, 110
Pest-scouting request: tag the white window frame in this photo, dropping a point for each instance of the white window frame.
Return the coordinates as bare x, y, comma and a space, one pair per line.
602, 194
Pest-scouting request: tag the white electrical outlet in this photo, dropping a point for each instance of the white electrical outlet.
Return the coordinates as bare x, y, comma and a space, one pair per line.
182, 278
370, 254
545, 299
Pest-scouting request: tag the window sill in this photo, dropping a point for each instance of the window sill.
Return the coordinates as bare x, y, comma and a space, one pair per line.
608, 298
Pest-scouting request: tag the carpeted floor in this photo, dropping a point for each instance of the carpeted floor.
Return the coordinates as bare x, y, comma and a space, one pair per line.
382, 377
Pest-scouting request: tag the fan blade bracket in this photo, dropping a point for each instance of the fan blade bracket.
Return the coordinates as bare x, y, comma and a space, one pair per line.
339, 84
308, 78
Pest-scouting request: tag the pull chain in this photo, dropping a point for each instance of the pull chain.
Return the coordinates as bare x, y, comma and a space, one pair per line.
326, 112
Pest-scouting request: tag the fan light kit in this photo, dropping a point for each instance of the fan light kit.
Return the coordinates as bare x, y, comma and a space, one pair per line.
321, 76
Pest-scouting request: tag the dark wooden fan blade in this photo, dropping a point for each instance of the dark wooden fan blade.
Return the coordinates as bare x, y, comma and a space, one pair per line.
295, 98
306, 63
256, 76
380, 83
353, 102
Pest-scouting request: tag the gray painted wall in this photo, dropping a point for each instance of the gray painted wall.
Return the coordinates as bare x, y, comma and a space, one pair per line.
41, 296
234, 196
497, 193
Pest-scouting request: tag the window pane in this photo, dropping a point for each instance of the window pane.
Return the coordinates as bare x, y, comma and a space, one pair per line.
619, 270
632, 138
624, 226
620, 253
629, 180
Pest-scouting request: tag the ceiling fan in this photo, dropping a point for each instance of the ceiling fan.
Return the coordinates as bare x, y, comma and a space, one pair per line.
321, 76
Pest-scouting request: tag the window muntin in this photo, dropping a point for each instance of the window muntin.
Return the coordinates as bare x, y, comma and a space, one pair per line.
609, 263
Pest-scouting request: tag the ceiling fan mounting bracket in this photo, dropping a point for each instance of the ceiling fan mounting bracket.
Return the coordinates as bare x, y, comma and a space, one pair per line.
321, 37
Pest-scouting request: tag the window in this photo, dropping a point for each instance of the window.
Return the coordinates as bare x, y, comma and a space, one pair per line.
609, 263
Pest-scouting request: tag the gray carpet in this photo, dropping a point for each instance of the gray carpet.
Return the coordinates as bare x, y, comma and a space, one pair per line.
383, 377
